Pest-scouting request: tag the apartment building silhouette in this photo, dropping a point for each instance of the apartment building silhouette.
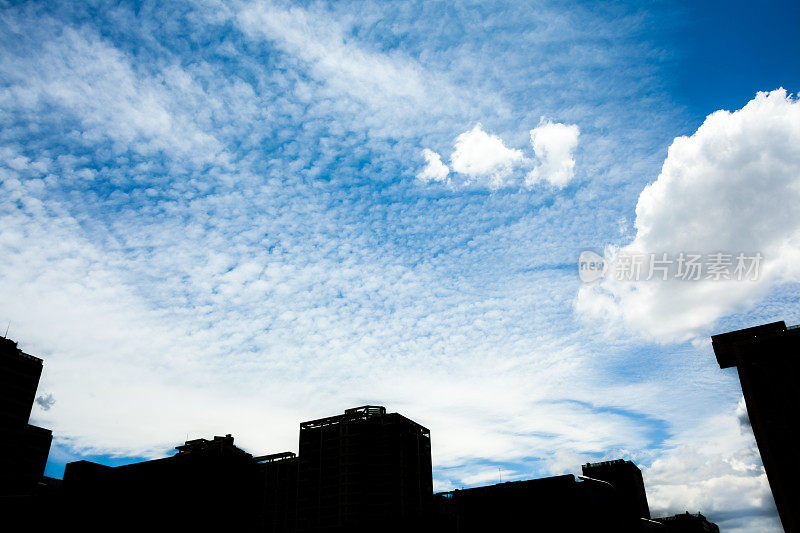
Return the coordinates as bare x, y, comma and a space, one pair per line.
362, 468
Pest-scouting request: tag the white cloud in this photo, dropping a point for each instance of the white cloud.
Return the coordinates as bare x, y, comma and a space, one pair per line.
484, 156
742, 414
554, 145
434, 169
713, 468
733, 186
88, 78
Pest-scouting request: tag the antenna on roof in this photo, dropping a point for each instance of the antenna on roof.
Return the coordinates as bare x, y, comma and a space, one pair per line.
8, 326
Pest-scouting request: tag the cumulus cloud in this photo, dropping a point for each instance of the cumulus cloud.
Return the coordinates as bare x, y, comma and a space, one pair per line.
481, 155
732, 187
46, 401
715, 469
483, 158
554, 145
434, 169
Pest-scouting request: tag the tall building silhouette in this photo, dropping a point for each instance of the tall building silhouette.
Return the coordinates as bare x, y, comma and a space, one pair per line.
363, 469
767, 359
626, 478
23, 447
277, 495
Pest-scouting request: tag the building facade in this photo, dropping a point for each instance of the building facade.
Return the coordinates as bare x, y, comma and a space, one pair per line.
626, 478
363, 469
23, 447
767, 359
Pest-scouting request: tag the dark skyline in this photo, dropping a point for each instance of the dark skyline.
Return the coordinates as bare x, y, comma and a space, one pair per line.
363, 470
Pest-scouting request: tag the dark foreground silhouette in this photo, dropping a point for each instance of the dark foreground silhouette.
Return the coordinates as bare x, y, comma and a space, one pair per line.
767, 359
365, 470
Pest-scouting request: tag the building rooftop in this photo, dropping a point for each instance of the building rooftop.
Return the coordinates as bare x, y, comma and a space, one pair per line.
729, 346
364, 412
205, 445
9, 347
275, 457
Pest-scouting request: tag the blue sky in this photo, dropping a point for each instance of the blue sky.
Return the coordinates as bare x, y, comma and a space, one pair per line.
231, 217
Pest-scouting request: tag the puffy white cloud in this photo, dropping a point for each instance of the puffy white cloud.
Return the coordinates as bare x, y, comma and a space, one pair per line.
715, 469
484, 156
554, 145
733, 187
434, 169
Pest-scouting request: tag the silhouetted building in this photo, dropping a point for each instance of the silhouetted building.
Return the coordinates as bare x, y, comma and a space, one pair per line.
23, 447
364, 469
767, 359
559, 503
626, 478
687, 523
278, 492
205, 486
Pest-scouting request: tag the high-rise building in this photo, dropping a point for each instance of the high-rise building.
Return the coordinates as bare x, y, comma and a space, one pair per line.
626, 478
364, 469
277, 497
767, 359
23, 447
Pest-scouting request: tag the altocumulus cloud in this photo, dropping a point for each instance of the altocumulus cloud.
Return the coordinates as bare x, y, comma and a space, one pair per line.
482, 158
733, 186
